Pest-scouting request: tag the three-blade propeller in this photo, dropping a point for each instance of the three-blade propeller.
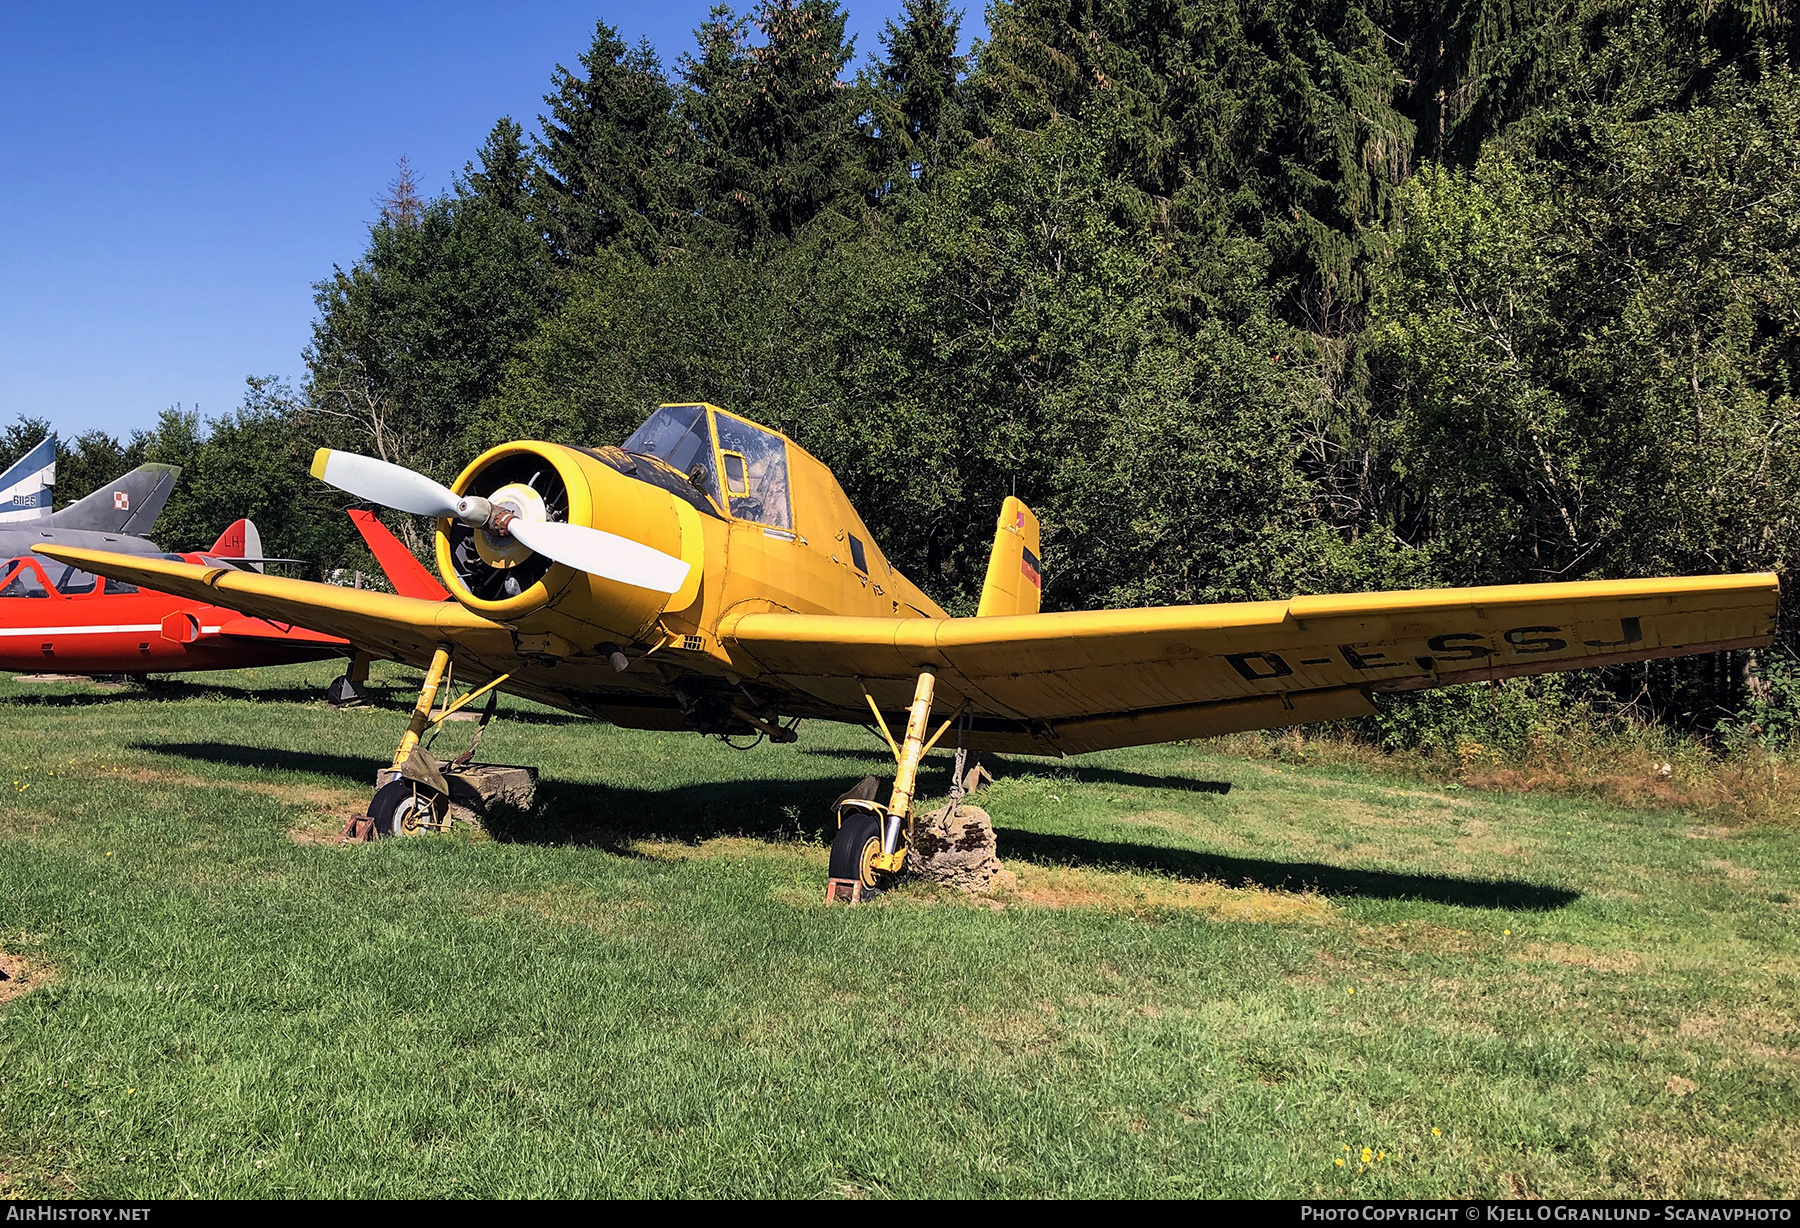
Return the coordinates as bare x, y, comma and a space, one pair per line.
594, 551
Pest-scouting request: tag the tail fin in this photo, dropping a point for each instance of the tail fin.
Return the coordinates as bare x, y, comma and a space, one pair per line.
129, 504
27, 487
407, 574
240, 541
1015, 578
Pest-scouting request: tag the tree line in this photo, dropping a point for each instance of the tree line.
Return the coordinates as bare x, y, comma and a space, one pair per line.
1245, 298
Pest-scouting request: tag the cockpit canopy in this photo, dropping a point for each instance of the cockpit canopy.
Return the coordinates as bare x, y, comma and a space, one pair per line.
740, 465
40, 577
33, 577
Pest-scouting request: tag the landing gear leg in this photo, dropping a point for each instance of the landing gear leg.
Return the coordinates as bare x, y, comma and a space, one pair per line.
346, 690
427, 797
872, 839
421, 717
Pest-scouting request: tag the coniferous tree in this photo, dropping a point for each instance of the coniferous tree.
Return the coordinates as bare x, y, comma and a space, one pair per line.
1230, 119
504, 178
401, 205
915, 126
610, 157
775, 128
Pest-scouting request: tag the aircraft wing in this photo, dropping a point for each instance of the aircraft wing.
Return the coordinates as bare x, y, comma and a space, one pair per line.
268, 629
405, 628
1069, 683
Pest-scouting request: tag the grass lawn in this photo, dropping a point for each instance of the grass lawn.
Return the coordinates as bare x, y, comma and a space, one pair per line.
1217, 976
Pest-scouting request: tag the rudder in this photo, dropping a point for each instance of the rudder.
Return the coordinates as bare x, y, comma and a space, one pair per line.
1015, 577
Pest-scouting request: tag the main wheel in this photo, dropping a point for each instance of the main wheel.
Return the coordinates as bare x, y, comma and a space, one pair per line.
402, 808
853, 851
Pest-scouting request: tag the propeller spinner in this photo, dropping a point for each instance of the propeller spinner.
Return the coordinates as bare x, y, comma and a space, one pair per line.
594, 551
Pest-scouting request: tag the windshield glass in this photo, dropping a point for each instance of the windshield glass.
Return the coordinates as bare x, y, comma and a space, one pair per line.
25, 582
677, 436
756, 472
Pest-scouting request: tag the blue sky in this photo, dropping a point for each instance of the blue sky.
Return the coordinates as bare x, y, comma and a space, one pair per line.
177, 175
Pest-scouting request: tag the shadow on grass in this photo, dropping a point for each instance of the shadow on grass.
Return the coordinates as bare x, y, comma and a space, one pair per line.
346, 769
158, 691
395, 699
788, 810
1007, 769
605, 817
1282, 875
582, 813
601, 816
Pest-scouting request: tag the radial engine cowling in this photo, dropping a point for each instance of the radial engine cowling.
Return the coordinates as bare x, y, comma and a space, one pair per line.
496, 576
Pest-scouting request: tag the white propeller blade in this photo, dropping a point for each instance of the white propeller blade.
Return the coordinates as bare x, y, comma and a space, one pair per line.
594, 551
394, 486
602, 554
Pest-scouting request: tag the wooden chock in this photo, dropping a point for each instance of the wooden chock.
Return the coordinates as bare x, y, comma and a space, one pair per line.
843, 890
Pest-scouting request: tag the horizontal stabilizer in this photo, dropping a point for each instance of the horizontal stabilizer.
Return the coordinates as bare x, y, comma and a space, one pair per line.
240, 540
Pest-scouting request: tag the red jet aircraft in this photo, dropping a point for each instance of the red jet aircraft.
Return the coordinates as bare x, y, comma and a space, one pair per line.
55, 618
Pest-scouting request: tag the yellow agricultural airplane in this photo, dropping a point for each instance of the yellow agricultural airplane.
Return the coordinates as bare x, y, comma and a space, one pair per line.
710, 575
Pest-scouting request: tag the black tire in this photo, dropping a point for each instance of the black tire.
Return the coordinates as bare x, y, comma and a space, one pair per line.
858, 839
402, 808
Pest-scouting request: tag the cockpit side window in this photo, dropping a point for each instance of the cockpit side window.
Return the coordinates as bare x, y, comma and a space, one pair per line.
756, 472
25, 582
678, 436
737, 473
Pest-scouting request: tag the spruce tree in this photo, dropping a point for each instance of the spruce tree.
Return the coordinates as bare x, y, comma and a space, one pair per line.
775, 127
1232, 120
505, 177
610, 152
915, 125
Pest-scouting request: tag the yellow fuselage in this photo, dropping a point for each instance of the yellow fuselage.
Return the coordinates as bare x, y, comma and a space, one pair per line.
568, 622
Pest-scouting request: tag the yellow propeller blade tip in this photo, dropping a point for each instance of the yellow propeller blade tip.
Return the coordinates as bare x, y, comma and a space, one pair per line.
318, 465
